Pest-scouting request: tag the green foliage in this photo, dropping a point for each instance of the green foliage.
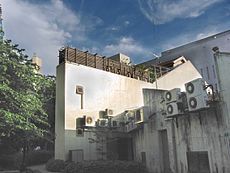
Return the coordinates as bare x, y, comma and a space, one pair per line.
26, 99
106, 167
55, 165
145, 69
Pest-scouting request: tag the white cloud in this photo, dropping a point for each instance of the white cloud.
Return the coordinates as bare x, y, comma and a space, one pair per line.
112, 28
43, 28
128, 46
163, 11
126, 23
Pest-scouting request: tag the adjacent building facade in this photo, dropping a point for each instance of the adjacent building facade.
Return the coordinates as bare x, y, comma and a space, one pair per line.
200, 53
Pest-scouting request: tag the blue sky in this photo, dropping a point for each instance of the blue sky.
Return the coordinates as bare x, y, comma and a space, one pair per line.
137, 28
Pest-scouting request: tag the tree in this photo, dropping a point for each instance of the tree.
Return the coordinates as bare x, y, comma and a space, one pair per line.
24, 95
103, 136
149, 70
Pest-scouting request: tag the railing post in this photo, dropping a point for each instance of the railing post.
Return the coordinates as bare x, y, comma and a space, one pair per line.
67, 54
103, 62
86, 58
155, 75
75, 55
95, 60
160, 70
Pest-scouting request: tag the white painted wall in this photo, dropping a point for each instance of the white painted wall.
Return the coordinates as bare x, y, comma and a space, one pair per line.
101, 90
178, 77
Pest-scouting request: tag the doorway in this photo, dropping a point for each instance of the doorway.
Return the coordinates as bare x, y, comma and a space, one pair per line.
163, 141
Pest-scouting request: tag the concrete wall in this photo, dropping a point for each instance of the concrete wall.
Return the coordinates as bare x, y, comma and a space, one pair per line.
200, 131
101, 90
147, 139
206, 130
60, 112
222, 61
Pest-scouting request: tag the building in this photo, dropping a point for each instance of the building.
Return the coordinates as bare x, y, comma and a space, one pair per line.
37, 62
121, 58
190, 141
175, 123
87, 85
200, 54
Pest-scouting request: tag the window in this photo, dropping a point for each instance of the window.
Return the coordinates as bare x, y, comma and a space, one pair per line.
208, 73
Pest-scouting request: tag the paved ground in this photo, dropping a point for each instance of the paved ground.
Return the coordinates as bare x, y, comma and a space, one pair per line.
40, 168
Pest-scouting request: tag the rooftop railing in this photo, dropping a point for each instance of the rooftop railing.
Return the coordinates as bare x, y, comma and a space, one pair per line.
149, 74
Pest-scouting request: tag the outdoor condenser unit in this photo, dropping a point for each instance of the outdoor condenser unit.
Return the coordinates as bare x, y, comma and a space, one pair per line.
172, 95
197, 96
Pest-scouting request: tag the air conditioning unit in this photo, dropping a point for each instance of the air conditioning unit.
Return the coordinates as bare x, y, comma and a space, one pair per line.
102, 123
109, 112
195, 87
197, 96
172, 95
173, 109
198, 102
140, 115
80, 122
89, 121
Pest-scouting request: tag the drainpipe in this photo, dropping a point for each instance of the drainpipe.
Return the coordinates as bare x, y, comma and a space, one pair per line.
155, 75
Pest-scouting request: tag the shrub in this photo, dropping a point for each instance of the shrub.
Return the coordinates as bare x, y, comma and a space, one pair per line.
55, 165
38, 157
13, 161
105, 167
10, 161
